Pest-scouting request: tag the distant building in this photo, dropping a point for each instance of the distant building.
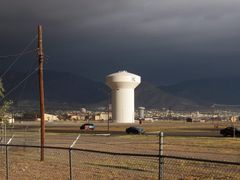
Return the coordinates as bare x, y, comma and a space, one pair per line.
49, 117
234, 119
77, 117
8, 118
102, 116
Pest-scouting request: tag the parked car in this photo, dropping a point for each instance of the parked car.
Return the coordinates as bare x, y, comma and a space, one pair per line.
135, 130
228, 131
87, 126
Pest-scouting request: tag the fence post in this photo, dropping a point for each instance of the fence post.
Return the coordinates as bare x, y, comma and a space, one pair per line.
5, 133
6, 155
70, 162
25, 129
161, 160
2, 148
70, 155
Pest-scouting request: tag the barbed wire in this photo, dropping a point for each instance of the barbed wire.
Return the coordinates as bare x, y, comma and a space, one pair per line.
28, 76
14, 55
34, 63
18, 57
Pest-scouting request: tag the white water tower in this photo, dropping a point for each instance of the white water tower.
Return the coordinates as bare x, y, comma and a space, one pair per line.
141, 113
123, 84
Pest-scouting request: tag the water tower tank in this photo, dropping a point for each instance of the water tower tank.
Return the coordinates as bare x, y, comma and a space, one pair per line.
141, 112
123, 84
83, 110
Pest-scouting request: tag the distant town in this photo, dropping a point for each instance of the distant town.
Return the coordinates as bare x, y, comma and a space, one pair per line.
102, 114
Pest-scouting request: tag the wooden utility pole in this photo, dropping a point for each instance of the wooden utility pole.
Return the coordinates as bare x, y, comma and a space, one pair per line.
41, 89
108, 106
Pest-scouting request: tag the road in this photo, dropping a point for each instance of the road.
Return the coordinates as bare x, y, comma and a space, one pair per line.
115, 129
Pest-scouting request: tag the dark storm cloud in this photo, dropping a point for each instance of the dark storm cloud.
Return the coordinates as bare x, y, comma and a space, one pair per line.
163, 40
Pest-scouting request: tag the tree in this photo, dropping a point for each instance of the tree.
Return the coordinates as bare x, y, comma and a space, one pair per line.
1, 89
4, 106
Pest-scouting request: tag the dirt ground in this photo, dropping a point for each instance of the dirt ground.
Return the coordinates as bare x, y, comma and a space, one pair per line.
24, 162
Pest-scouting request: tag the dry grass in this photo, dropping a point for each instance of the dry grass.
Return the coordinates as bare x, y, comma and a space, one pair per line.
24, 163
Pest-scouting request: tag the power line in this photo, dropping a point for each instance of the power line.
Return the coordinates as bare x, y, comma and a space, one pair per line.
18, 57
24, 85
28, 76
14, 55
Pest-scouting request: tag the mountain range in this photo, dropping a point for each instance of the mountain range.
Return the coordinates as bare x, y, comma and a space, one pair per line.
224, 90
65, 90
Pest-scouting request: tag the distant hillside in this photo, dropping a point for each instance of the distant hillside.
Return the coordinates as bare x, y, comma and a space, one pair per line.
150, 96
65, 90
211, 90
59, 88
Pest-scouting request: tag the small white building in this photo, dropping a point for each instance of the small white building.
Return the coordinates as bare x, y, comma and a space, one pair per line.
77, 117
8, 118
49, 117
102, 116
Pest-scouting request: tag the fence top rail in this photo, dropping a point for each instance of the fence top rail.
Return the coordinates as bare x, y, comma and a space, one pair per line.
201, 160
116, 153
123, 154
83, 150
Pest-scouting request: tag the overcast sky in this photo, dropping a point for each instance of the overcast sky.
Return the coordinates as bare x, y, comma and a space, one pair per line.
164, 41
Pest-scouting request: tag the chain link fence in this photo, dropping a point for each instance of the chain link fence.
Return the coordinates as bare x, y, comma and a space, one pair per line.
105, 165
91, 162
181, 169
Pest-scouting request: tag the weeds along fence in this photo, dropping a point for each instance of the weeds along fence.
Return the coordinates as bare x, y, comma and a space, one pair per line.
72, 163
22, 162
